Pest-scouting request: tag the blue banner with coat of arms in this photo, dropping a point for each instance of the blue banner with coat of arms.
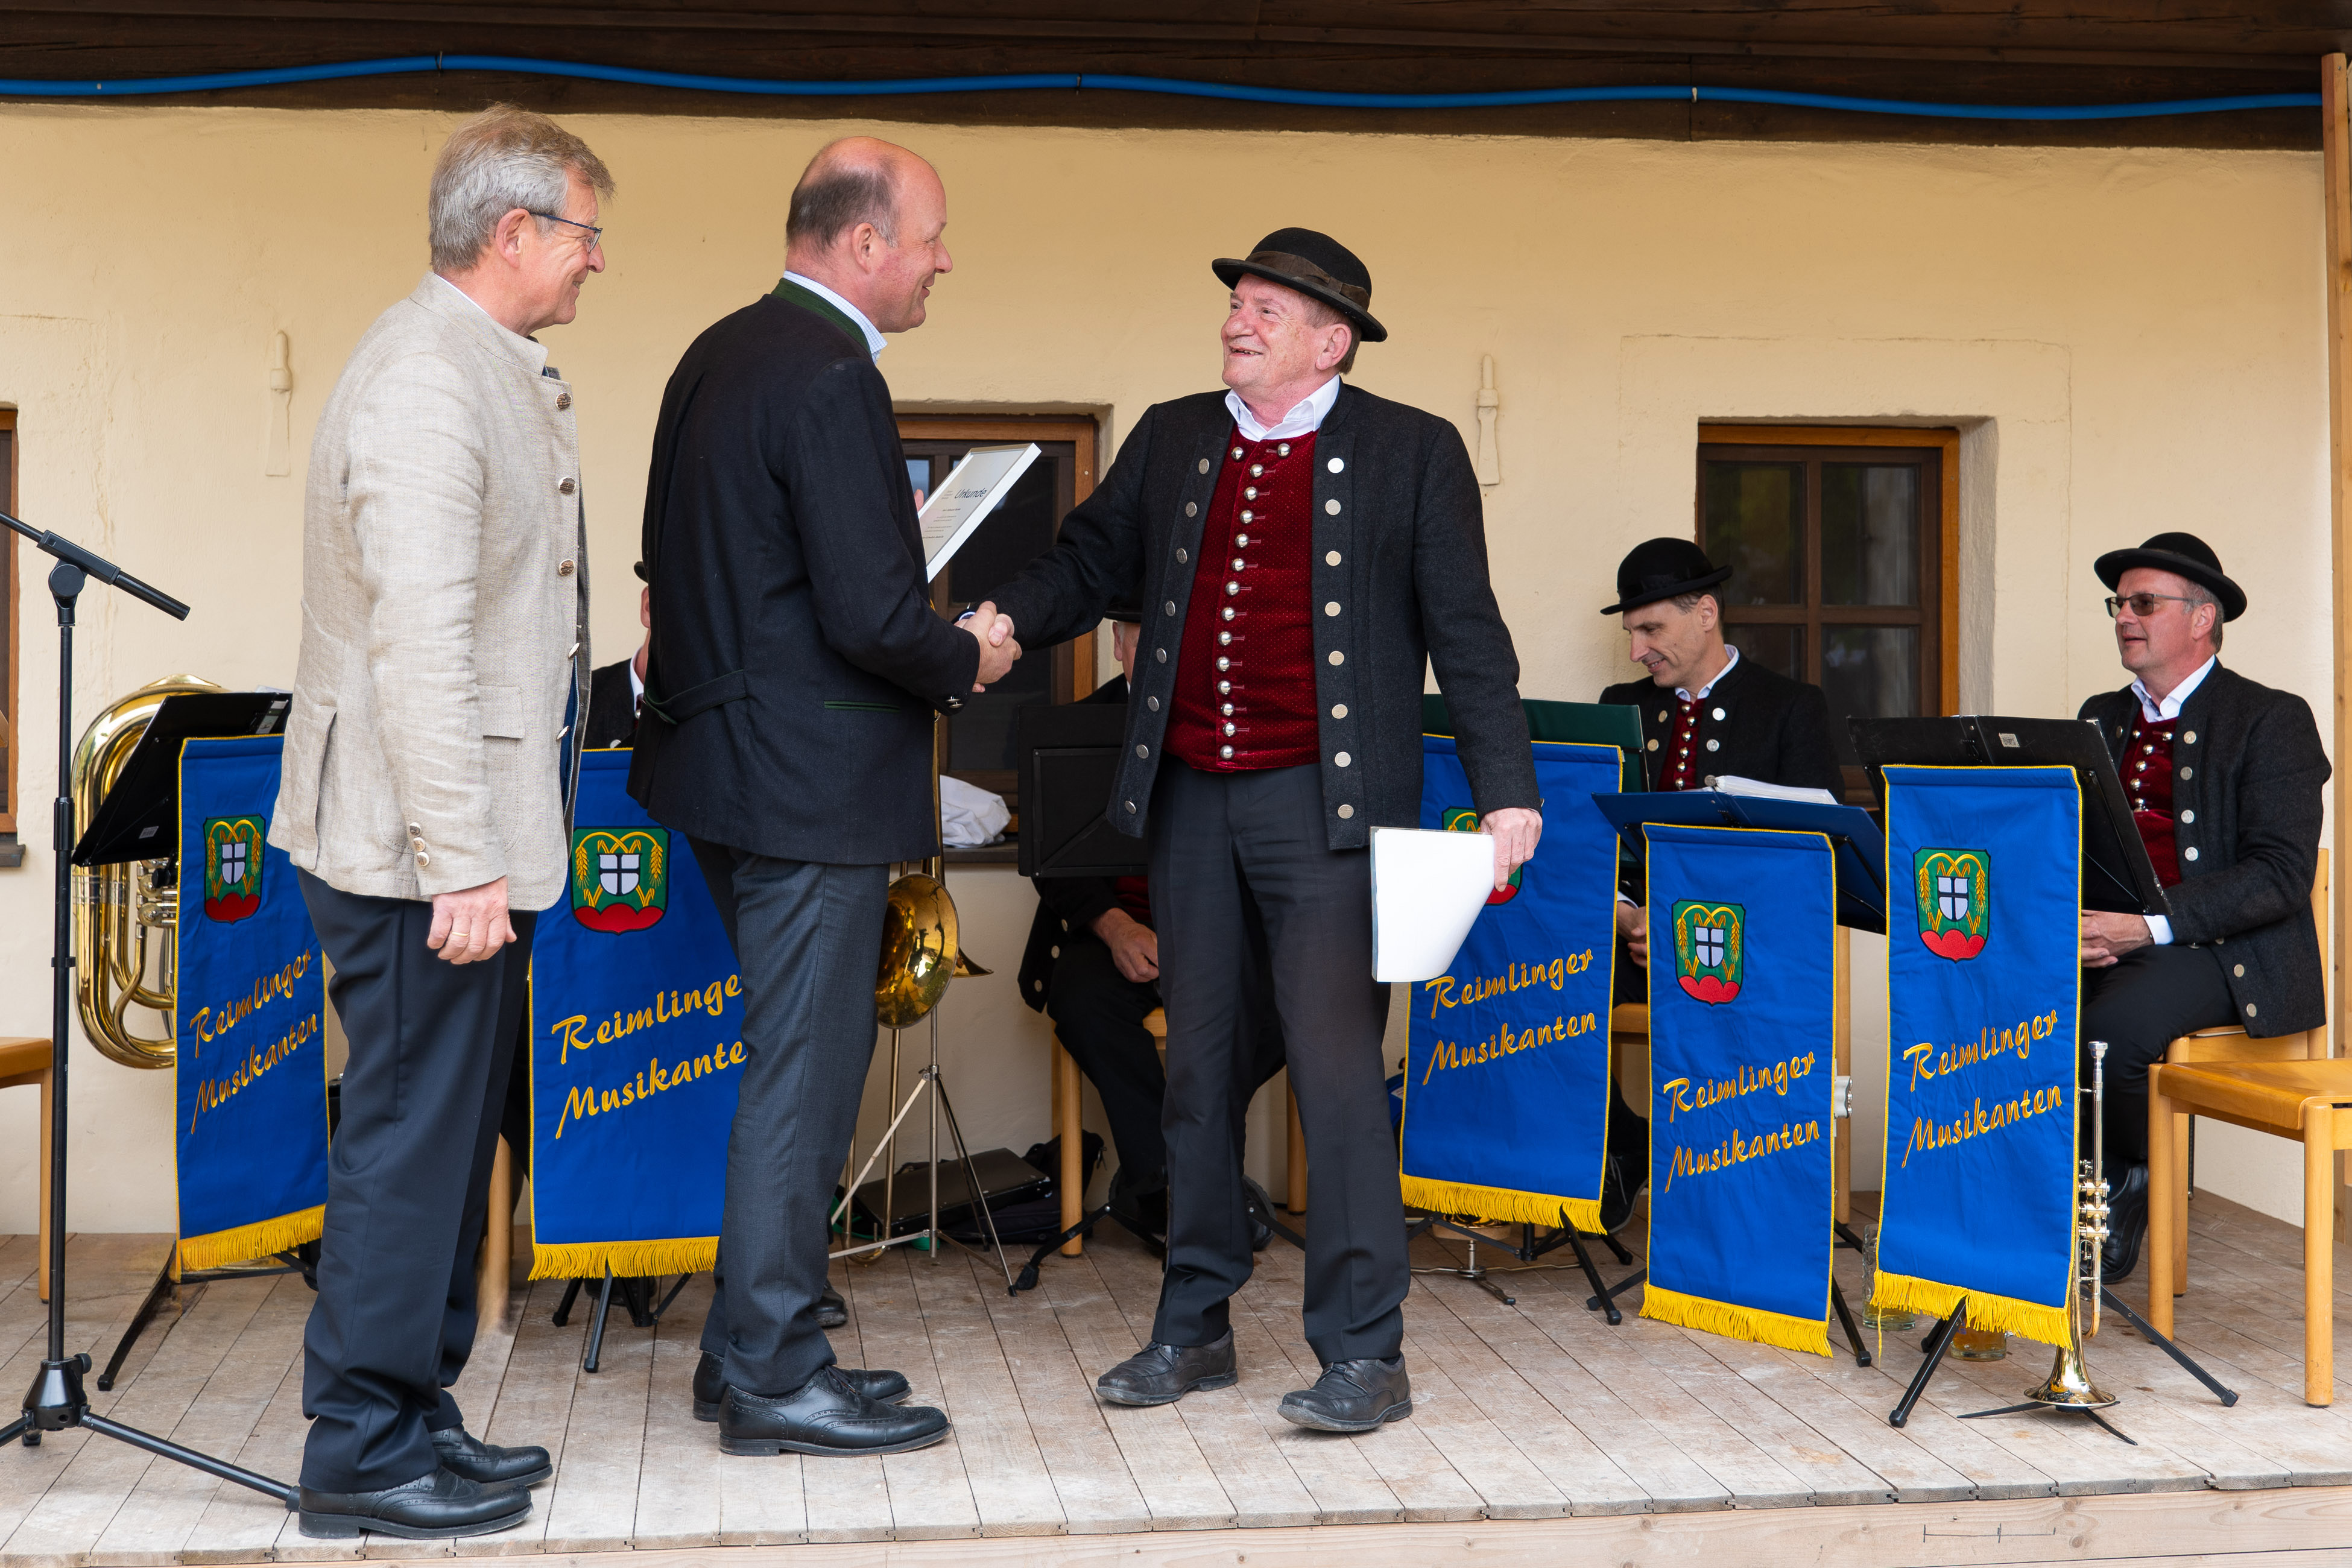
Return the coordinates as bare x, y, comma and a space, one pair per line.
249, 1024
1743, 933
1507, 1070
1983, 982
636, 1043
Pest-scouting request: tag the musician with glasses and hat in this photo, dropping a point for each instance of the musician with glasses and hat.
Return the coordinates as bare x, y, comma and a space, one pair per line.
1706, 712
2225, 777
1305, 551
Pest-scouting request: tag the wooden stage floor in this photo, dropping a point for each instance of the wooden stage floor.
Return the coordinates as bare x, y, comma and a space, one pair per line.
1538, 1412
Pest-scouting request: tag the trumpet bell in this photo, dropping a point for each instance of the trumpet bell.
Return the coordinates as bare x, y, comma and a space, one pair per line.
2069, 1382
918, 950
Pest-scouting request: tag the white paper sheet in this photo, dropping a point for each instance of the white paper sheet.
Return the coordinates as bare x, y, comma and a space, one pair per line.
1427, 890
1732, 784
975, 488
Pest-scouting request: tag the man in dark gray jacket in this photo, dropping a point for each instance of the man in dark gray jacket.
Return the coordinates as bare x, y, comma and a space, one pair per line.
1304, 552
2225, 777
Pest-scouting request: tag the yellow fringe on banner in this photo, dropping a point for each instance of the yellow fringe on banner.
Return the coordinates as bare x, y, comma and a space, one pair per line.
1501, 1203
248, 1241
1735, 1323
2030, 1319
626, 1259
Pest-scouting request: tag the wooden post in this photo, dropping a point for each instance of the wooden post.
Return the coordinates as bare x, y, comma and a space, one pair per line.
495, 1277
1069, 1101
2336, 168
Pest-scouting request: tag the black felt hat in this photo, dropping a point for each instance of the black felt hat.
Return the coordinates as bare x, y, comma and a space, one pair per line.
2183, 555
1315, 265
1662, 569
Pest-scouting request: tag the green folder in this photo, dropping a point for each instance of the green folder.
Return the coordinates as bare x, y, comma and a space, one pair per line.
1577, 723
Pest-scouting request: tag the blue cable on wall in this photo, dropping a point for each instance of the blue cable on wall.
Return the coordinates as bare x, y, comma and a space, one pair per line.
412, 65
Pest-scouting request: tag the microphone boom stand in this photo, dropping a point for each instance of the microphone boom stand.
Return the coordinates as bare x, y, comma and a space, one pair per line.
56, 1402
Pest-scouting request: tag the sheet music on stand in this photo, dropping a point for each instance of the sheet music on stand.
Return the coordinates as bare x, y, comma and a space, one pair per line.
1860, 848
976, 487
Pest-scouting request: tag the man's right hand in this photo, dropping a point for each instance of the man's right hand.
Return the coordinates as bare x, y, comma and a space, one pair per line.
1633, 925
470, 924
1134, 946
993, 632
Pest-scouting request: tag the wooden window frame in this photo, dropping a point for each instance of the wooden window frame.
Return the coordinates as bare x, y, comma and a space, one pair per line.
9, 728
1944, 441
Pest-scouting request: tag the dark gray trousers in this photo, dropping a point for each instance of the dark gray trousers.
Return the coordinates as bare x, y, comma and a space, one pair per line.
2140, 1004
408, 1172
1219, 840
807, 937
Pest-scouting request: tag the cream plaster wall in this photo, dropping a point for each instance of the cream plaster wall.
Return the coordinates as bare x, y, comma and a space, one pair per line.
2131, 340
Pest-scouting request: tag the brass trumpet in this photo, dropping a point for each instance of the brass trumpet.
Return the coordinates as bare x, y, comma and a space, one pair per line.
2069, 1384
117, 909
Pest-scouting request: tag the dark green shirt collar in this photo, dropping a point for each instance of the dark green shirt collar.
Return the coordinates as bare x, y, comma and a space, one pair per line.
792, 291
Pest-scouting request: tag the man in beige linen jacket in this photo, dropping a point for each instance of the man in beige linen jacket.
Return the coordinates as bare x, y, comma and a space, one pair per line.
444, 605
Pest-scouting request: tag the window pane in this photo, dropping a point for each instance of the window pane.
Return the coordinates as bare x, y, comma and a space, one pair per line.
1873, 671
1870, 533
1780, 649
1754, 525
979, 734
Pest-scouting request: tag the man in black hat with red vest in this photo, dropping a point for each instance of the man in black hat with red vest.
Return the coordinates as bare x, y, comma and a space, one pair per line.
1304, 551
2224, 777
1706, 710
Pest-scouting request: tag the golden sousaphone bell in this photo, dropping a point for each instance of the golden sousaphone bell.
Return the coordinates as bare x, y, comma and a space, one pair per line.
920, 952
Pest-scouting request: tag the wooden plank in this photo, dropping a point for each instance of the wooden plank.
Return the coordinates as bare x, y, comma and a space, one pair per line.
534, 1406
1009, 1483
848, 1499
1091, 1482
1180, 1488
242, 1526
930, 1495
1251, 1466
591, 1503
2070, 1448
164, 1510
680, 1499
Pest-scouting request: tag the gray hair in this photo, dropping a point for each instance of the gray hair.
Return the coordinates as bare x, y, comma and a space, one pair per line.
1320, 315
2199, 595
502, 159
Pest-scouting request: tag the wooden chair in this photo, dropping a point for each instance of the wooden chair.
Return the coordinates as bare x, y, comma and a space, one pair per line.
1629, 1045
2310, 1101
2232, 1044
1069, 1100
494, 1275
24, 1063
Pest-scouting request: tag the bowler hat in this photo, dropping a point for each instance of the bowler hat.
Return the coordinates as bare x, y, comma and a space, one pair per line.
1316, 265
2183, 555
1663, 569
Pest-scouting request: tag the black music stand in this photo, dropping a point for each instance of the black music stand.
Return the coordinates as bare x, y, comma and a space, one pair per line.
56, 1401
1858, 856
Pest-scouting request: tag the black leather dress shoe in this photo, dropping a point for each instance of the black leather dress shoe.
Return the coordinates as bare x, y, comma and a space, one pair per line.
1162, 1374
832, 1311
1351, 1396
429, 1508
463, 1454
2127, 1225
825, 1416
710, 1388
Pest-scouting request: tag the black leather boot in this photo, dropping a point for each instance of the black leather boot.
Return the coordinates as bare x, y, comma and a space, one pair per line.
463, 1454
430, 1508
711, 1387
1351, 1396
2127, 1225
825, 1416
1162, 1374
832, 1311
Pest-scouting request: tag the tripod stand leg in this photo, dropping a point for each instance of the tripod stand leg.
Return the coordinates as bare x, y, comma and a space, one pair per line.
1939, 1342
190, 1457
596, 1330
1603, 1299
1852, 1333
1846, 1238
156, 1294
1617, 1246
20, 1427
563, 1307
970, 1179
2112, 1427
2227, 1397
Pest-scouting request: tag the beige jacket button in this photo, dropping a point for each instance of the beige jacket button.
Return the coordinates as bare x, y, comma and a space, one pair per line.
1331, 559
1339, 658
565, 486
2239, 970
1192, 508
563, 400
1332, 507
1346, 812
423, 859
564, 568
415, 828
1343, 759
2189, 853
2250, 1009
1332, 608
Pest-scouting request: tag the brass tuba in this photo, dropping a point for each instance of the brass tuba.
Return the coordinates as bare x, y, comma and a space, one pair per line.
921, 953
116, 907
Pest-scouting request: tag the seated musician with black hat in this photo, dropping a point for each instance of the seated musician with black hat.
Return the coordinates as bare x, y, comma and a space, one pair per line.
2224, 777
1705, 713
1093, 966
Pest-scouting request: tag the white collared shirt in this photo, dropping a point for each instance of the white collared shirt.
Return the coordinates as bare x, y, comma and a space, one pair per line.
2166, 711
1304, 418
2159, 927
637, 689
531, 347
875, 341
1700, 695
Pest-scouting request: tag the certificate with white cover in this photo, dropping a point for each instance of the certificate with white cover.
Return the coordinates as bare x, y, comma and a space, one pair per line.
1428, 889
978, 485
